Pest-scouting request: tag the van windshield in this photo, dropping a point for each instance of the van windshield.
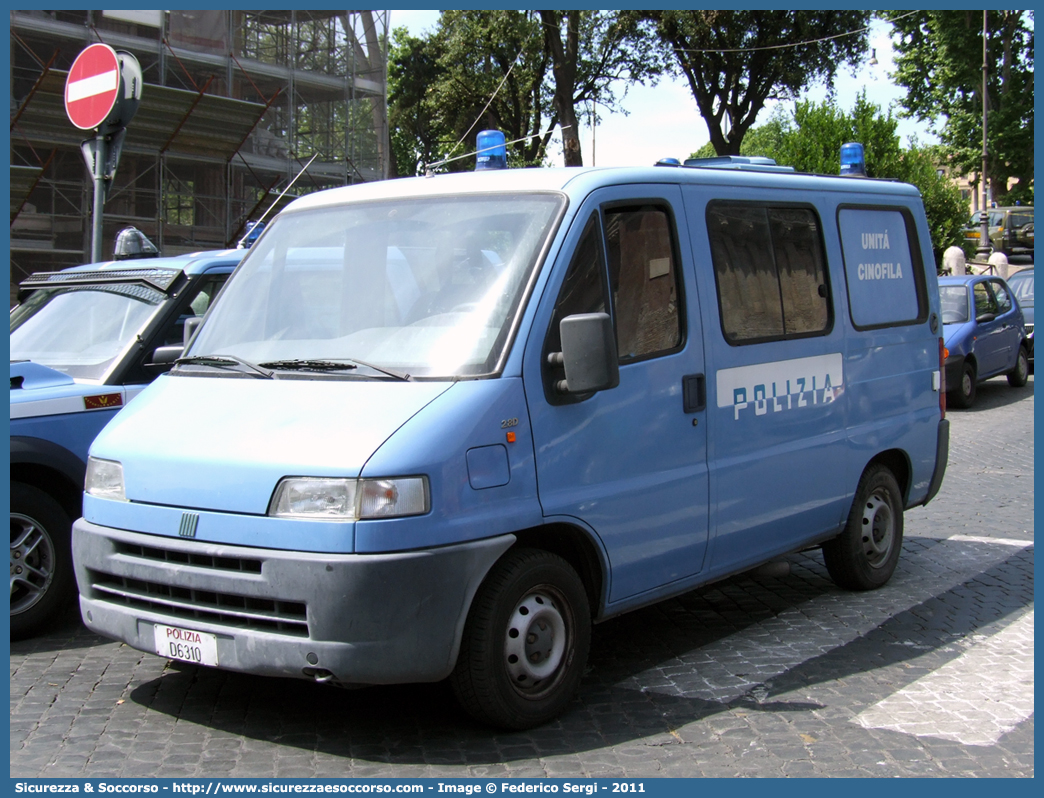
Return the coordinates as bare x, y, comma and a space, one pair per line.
425, 287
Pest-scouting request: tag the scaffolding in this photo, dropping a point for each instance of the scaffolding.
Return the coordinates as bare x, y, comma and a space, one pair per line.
235, 103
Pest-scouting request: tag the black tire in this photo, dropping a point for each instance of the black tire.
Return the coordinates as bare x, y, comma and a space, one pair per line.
42, 580
963, 394
1019, 375
531, 603
864, 555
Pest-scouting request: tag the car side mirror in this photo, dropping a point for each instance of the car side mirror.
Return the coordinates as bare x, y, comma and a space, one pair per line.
588, 354
163, 358
189, 330
982, 318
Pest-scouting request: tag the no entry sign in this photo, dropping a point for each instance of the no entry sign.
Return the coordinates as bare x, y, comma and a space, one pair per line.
93, 86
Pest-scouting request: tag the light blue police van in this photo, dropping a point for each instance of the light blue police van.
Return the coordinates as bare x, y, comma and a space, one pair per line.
83, 344
451, 422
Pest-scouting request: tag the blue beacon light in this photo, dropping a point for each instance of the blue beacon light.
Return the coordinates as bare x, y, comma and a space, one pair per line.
492, 150
853, 162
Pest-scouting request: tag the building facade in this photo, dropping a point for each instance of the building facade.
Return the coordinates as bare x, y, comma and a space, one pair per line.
234, 104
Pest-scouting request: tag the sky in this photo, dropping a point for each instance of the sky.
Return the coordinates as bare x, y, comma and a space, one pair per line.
663, 121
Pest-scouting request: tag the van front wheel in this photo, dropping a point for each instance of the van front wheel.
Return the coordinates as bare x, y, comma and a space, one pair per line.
864, 555
525, 642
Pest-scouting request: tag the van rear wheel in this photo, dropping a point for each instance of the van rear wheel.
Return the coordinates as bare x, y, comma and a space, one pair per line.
525, 642
864, 555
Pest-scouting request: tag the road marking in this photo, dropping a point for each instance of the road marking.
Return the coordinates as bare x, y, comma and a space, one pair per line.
973, 700
742, 662
1021, 544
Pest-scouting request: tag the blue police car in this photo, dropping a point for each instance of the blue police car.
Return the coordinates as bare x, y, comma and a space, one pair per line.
83, 344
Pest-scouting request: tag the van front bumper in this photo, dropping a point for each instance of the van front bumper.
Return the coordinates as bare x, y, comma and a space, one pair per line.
347, 618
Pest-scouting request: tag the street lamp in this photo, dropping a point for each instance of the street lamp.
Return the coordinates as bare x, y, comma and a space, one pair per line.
983, 251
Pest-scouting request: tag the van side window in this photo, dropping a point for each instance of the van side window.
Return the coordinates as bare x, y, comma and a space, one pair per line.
883, 268
769, 271
643, 277
584, 289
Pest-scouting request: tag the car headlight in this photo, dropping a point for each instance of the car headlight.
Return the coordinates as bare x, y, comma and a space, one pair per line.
331, 499
104, 479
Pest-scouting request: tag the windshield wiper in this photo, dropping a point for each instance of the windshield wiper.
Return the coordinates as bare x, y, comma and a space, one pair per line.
223, 361
337, 364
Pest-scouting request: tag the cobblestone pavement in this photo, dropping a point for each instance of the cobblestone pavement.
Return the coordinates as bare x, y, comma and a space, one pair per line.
755, 676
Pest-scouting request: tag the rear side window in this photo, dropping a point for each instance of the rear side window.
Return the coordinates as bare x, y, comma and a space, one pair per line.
1003, 299
885, 279
770, 272
984, 301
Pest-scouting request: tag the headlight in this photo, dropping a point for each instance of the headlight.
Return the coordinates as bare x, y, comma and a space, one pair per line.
104, 479
326, 499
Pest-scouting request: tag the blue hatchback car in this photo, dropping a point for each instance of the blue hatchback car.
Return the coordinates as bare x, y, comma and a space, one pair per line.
984, 332
1021, 284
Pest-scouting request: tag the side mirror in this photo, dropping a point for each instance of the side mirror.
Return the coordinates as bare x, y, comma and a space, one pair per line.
191, 325
982, 318
163, 358
588, 354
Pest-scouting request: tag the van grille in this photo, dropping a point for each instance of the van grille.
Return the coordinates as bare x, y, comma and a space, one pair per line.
240, 564
227, 609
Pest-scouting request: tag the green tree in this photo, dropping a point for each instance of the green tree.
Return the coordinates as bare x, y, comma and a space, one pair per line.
734, 61
939, 62
413, 69
494, 69
476, 70
764, 140
592, 53
523, 72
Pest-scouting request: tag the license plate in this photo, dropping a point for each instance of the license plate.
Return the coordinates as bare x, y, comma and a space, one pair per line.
186, 645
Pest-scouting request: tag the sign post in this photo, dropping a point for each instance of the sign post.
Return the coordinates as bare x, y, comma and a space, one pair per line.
102, 94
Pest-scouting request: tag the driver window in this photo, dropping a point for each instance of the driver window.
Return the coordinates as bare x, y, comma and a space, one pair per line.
584, 288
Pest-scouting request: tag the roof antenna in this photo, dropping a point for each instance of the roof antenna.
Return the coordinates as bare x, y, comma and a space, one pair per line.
254, 229
289, 186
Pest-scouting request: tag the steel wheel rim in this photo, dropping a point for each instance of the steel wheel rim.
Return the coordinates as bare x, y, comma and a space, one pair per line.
1022, 365
966, 383
32, 562
878, 533
535, 642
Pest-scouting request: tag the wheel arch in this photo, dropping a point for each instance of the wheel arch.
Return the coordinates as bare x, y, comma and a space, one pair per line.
574, 545
50, 468
898, 462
